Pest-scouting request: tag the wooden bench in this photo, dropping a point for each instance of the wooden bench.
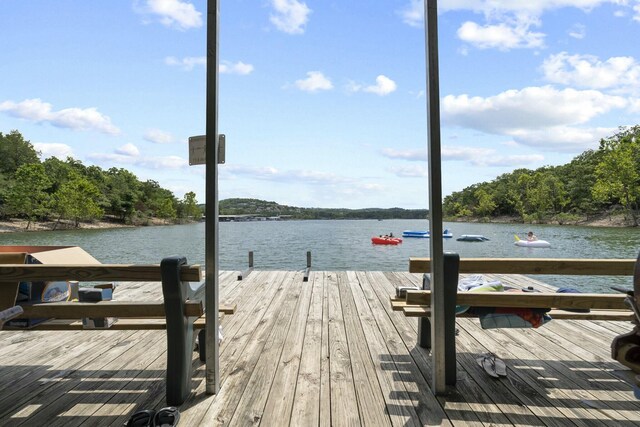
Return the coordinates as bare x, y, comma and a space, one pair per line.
181, 312
417, 303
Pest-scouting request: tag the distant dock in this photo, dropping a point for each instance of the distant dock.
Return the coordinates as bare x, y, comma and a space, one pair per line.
329, 351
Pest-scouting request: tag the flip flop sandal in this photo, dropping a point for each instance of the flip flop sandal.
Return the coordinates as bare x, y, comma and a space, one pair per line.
142, 418
489, 368
167, 417
492, 365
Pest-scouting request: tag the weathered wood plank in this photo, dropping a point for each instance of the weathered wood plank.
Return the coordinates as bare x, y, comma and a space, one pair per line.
252, 403
279, 398
255, 332
610, 315
306, 402
371, 403
325, 366
590, 267
98, 272
410, 400
86, 395
527, 299
344, 403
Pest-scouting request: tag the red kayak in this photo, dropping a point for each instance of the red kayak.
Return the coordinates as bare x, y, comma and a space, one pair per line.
386, 240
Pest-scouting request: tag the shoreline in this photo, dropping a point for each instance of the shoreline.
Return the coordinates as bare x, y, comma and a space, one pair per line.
18, 225
603, 220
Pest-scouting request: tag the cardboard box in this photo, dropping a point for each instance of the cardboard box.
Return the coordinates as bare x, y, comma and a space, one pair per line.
34, 292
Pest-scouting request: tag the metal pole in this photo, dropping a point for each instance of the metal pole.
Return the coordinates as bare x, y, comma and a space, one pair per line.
435, 199
211, 226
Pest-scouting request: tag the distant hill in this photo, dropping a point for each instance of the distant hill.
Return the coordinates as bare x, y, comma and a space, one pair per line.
268, 209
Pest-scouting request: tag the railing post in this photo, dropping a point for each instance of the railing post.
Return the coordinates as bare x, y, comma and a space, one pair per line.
308, 269
245, 273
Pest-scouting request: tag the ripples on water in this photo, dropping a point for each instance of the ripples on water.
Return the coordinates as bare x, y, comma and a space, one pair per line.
342, 245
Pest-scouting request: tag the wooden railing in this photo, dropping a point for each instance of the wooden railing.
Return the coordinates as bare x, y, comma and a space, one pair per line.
577, 267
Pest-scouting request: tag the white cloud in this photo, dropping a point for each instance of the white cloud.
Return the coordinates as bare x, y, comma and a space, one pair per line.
409, 171
384, 86
158, 136
562, 138
503, 36
227, 67
314, 82
413, 13
529, 108
411, 155
466, 153
636, 12
290, 16
72, 118
537, 7
161, 163
535, 116
187, 63
479, 156
577, 31
129, 150
634, 105
589, 71
122, 156
172, 13
269, 173
61, 151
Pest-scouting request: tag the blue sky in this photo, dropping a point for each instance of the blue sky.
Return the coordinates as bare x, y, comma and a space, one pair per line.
322, 102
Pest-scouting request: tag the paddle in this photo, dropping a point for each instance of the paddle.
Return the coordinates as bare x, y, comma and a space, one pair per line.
517, 238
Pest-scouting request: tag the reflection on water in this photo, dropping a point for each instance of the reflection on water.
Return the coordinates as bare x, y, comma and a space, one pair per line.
342, 245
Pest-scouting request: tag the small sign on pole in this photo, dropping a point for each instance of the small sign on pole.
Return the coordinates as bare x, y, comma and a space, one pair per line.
198, 149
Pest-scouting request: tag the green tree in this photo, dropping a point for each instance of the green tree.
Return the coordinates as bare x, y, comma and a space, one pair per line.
15, 151
123, 192
618, 173
190, 207
28, 196
486, 204
77, 199
166, 209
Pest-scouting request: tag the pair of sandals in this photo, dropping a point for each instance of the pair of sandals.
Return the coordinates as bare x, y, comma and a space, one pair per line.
165, 417
492, 365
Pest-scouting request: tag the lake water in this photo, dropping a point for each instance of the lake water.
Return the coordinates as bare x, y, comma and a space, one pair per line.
342, 245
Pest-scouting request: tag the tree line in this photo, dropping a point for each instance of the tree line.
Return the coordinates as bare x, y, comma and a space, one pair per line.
56, 190
596, 181
238, 206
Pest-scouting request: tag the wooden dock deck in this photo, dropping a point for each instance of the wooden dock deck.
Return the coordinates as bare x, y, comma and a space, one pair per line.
324, 352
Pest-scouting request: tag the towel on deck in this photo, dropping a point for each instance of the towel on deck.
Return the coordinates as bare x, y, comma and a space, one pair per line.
500, 317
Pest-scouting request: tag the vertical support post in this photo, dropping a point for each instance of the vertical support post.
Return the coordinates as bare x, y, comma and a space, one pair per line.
438, 353
250, 259
212, 375
305, 278
451, 270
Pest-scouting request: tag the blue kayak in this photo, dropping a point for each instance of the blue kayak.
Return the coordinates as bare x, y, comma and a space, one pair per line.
414, 233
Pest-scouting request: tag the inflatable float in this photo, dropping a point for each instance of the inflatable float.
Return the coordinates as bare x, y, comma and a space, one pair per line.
532, 243
415, 233
411, 233
386, 240
472, 238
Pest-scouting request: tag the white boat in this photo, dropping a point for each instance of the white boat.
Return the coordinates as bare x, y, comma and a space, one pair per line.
533, 243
